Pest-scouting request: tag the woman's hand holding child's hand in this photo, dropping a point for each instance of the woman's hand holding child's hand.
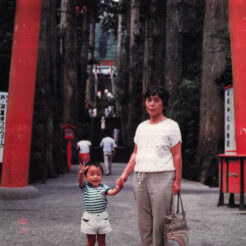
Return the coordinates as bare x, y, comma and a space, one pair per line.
120, 182
117, 188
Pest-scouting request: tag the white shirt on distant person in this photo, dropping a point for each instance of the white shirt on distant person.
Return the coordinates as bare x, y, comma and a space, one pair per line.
108, 144
84, 146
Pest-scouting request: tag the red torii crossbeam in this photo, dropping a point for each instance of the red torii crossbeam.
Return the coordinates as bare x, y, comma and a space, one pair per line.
18, 129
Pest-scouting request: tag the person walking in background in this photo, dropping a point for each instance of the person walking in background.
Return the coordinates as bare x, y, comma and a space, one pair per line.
94, 222
83, 146
108, 144
157, 164
116, 135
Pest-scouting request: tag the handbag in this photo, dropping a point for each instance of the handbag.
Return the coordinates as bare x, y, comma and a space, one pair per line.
176, 228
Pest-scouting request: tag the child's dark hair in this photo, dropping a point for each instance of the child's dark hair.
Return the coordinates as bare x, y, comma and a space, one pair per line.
85, 136
160, 91
93, 163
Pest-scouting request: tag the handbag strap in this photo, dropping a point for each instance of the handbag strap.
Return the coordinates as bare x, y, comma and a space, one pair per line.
181, 202
177, 208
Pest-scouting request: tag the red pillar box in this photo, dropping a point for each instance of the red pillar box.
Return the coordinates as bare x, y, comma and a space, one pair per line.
69, 135
232, 173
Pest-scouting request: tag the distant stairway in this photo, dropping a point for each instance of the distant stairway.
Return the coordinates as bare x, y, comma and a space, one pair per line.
122, 152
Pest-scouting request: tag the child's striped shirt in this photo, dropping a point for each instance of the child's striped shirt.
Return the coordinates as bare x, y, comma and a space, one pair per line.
94, 199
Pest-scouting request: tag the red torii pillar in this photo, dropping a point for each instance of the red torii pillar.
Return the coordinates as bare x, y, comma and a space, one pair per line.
237, 19
18, 129
236, 163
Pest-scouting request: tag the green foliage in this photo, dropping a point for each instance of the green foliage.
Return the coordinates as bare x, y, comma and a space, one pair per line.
106, 30
108, 15
185, 110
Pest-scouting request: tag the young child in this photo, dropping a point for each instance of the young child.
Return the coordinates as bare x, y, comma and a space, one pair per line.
95, 223
83, 146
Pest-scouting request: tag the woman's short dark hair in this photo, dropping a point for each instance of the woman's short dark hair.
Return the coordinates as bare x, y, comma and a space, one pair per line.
93, 163
159, 91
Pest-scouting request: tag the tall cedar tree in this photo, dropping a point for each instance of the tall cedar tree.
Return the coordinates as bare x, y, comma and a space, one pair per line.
215, 51
46, 147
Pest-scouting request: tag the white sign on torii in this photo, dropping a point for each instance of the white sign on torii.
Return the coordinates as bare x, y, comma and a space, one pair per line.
230, 139
3, 111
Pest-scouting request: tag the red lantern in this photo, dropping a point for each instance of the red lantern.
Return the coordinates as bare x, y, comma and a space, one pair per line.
84, 10
77, 9
69, 135
68, 131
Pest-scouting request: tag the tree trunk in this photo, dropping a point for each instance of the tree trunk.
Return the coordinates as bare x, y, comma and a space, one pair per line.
83, 76
134, 67
90, 81
154, 46
174, 45
43, 162
7, 10
69, 67
145, 82
155, 28
123, 74
120, 30
214, 57
120, 49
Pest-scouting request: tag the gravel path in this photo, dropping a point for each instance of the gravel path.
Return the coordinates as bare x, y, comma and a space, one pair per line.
54, 217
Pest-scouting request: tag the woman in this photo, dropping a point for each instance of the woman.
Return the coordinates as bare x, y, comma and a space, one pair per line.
157, 164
